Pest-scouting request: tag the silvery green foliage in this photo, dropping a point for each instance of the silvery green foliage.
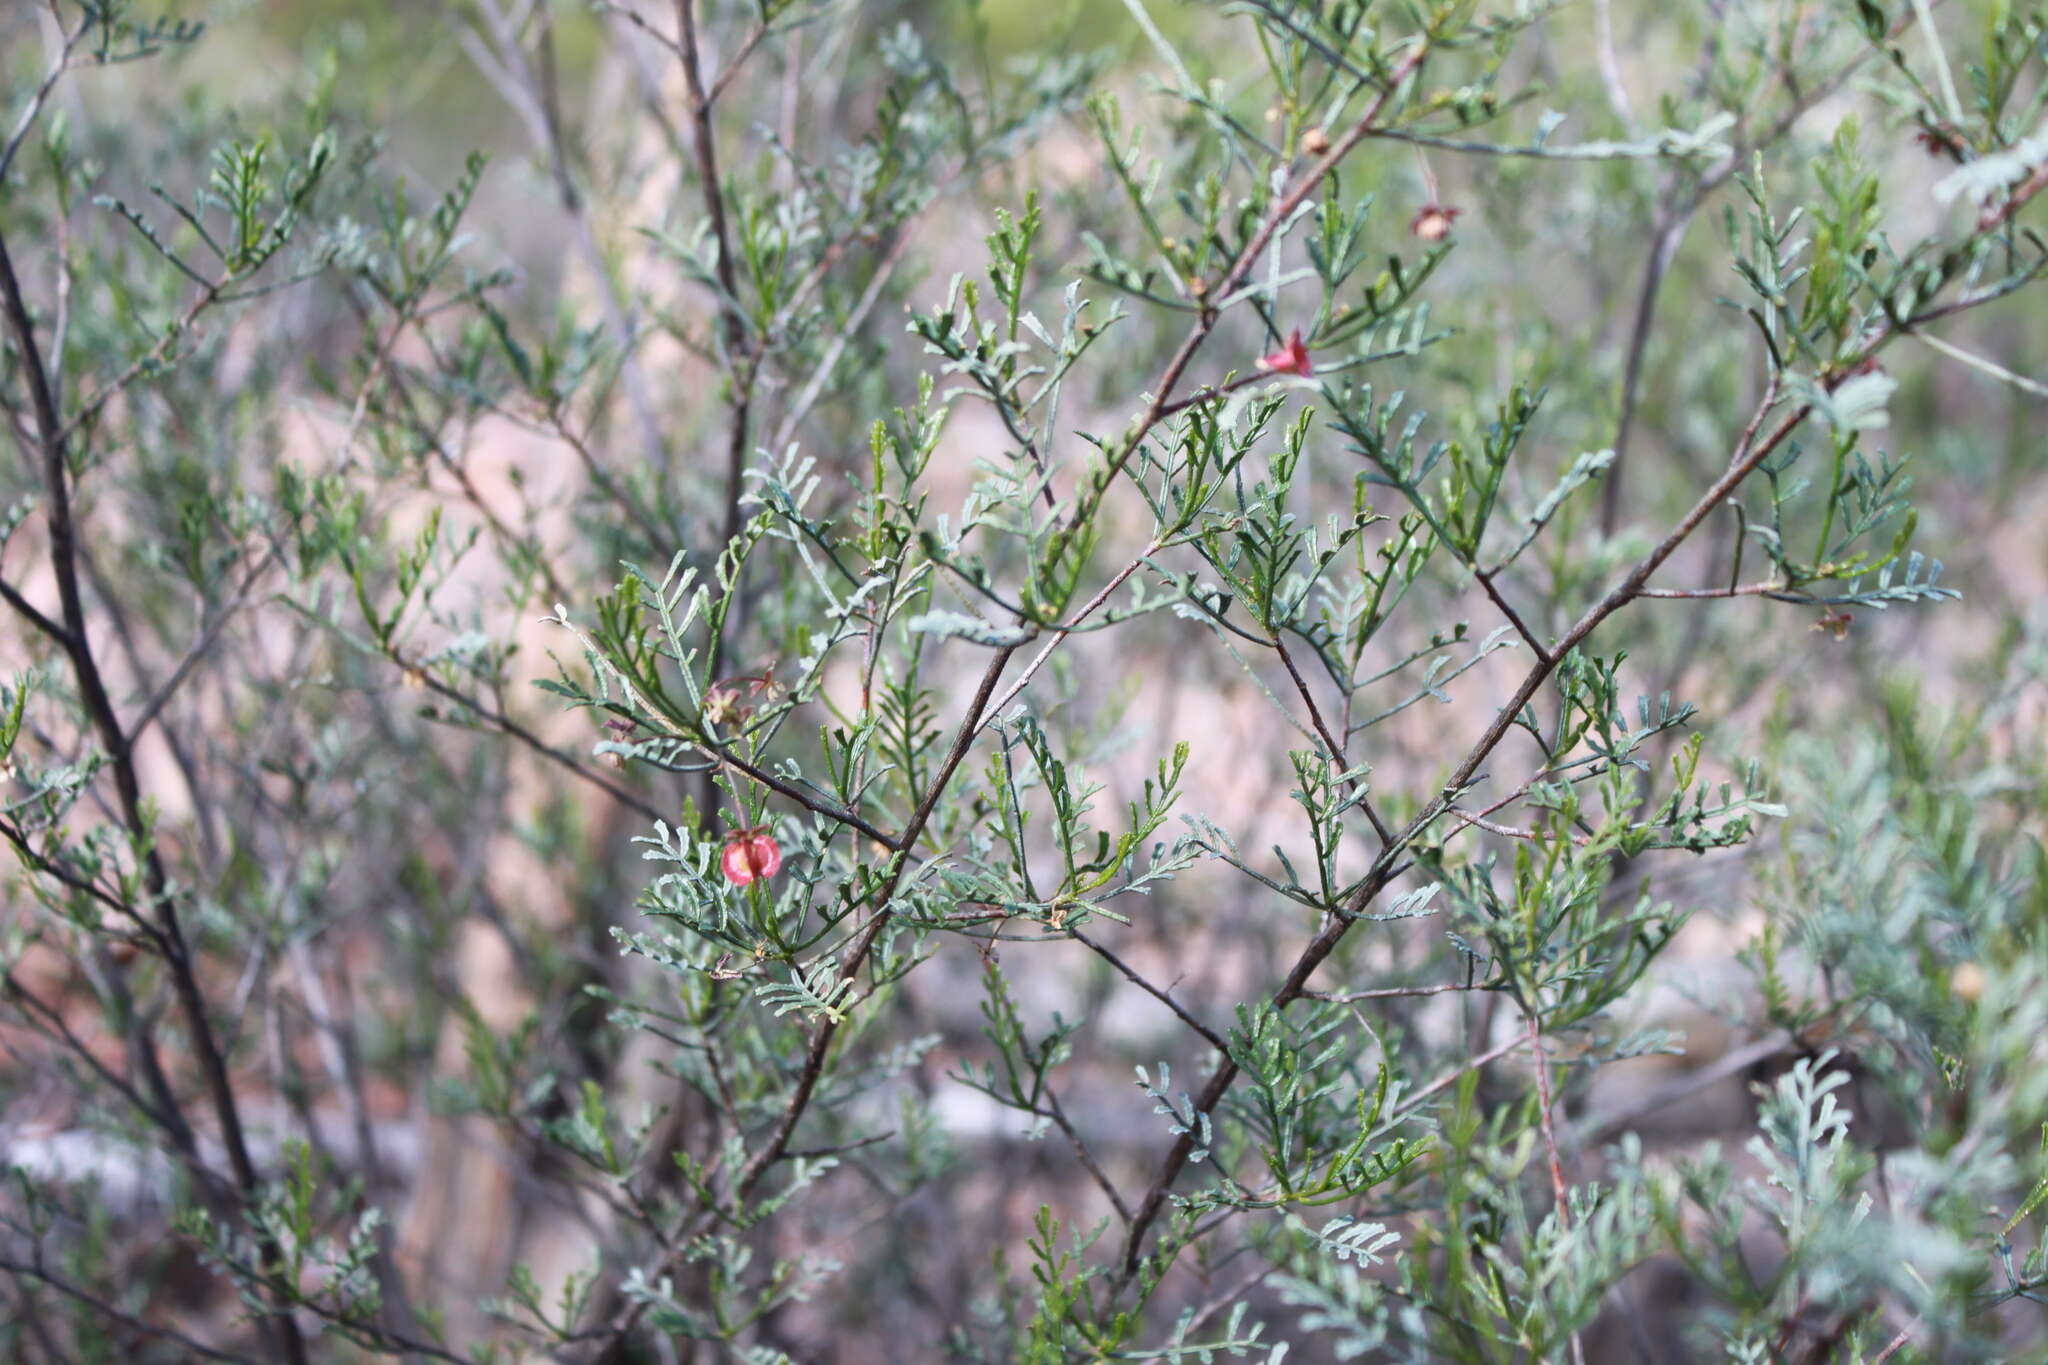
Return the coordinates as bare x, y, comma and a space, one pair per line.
831, 700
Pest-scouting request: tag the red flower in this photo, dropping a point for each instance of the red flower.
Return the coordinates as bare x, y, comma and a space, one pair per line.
1289, 359
750, 853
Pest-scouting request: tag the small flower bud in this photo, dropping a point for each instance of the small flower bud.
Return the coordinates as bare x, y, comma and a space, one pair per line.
1966, 982
1835, 623
1941, 141
1315, 142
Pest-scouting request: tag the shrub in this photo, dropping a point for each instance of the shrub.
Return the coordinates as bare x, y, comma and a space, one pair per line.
626, 758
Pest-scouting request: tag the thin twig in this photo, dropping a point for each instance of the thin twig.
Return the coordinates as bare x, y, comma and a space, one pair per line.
1209, 1035
817, 805
1665, 238
1087, 1159
1610, 67
1546, 1120
207, 639
1776, 590
1895, 1345
1486, 577
1338, 755
842, 336
33, 109
13, 598
1393, 992
1595, 1127
1978, 362
532, 97
1415, 1101
54, 1023
504, 723
108, 1312
818, 1153
1086, 610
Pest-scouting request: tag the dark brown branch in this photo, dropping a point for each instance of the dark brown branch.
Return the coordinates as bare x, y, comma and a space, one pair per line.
1101, 1178
1210, 392
1385, 868
99, 708
1672, 223
55, 1026
1337, 753
1209, 1035
109, 1313
1486, 577
816, 1153
50, 867
508, 726
776, 1145
864, 942
704, 144
34, 617
817, 805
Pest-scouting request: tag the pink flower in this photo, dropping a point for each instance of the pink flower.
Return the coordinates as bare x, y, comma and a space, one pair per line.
1289, 359
749, 854
1433, 222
